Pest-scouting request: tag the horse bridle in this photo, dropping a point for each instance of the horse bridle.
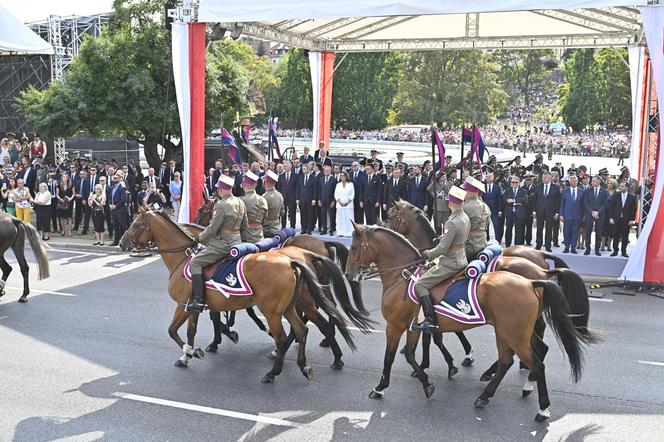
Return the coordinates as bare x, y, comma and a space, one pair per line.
366, 272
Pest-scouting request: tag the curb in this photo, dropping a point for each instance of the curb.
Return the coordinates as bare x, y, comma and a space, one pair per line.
85, 248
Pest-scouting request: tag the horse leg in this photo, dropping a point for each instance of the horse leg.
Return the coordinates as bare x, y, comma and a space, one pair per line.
277, 330
469, 359
301, 332
505, 361
291, 336
252, 314
529, 353
25, 270
327, 328
192, 327
215, 317
411, 341
226, 328
451, 369
540, 349
6, 270
392, 336
486, 376
179, 317
325, 342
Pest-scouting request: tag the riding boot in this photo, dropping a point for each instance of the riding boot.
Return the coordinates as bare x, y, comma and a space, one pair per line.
197, 301
429, 323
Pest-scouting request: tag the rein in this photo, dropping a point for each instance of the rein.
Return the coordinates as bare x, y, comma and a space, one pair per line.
370, 273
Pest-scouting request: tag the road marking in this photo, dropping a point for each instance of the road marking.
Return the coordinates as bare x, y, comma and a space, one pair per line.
600, 299
208, 410
285, 321
44, 291
658, 364
76, 252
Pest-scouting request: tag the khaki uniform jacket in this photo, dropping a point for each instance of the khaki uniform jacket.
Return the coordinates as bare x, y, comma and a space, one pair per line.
256, 213
439, 192
450, 250
223, 232
478, 213
275, 207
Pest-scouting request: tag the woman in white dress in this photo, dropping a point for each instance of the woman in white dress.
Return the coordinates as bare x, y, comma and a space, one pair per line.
344, 194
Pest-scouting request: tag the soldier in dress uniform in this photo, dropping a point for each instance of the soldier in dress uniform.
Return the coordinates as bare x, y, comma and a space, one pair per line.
492, 165
538, 167
373, 161
439, 189
275, 205
451, 250
478, 214
531, 189
632, 184
604, 178
517, 168
504, 179
400, 162
223, 232
256, 209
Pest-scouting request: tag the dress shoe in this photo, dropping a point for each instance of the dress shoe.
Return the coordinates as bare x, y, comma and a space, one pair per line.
598, 253
587, 252
566, 250
529, 244
614, 254
538, 247
555, 244
548, 249
625, 255
574, 252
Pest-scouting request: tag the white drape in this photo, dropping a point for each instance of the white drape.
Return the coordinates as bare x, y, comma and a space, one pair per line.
315, 64
636, 71
180, 43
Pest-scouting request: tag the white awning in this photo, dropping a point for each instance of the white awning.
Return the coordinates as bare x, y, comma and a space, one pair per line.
16, 37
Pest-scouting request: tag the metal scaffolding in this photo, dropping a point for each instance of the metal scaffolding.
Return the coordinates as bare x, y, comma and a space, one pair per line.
17, 73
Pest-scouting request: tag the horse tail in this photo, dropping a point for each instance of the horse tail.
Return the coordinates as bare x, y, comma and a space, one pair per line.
576, 294
37, 247
556, 311
338, 281
558, 263
341, 253
316, 291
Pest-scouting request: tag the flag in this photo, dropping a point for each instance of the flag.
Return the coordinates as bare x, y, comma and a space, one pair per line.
478, 144
273, 137
233, 150
441, 148
467, 135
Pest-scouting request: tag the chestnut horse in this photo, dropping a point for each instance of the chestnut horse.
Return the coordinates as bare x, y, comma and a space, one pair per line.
274, 279
511, 303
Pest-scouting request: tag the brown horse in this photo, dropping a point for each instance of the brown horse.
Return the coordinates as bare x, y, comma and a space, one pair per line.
204, 214
274, 279
329, 274
511, 303
13, 232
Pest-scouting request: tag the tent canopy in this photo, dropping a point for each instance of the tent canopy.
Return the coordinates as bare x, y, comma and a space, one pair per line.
384, 25
15, 37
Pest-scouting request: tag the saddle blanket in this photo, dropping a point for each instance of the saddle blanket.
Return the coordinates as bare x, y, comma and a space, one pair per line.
491, 267
459, 302
228, 278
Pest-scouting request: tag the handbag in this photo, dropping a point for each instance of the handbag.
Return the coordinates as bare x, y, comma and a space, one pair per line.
62, 205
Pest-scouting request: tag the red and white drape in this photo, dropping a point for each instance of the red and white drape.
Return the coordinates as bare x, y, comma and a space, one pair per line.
321, 65
188, 43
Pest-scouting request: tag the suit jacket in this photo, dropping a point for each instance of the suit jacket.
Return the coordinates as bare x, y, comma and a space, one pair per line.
519, 204
305, 159
30, 178
216, 174
306, 192
87, 189
494, 199
359, 183
147, 179
211, 184
326, 191
168, 175
288, 189
592, 203
625, 213
547, 205
572, 209
327, 161
372, 190
417, 195
118, 196
394, 193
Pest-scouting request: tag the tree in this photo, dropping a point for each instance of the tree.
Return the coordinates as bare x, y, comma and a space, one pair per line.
364, 88
122, 83
453, 86
291, 98
614, 93
522, 72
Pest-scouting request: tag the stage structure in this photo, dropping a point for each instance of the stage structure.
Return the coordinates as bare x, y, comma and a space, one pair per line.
326, 27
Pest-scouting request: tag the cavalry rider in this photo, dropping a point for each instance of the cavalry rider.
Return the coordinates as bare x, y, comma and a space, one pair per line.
219, 236
478, 214
275, 205
452, 254
256, 209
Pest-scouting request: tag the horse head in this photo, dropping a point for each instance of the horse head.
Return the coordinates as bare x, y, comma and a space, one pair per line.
355, 265
138, 233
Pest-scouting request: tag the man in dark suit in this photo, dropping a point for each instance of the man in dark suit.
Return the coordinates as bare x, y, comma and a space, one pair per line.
514, 205
119, 205
29, 175
324, 160
416, 189
88, 188
306, 158
169, 174
547, 204
395, 189
571, 214
78, 197
306, 195
151, 178
372, 195
530, 208
218, 171
326, 202
494, 199
52, 184
287, 187
595, 201
209, 184
359, 178
623, 216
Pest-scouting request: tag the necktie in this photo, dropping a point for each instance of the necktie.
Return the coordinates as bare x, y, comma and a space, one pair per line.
327, 178
417, 182
546, 190
287, 177
596, 193
574, 194
490, 187
306, 177
92, 184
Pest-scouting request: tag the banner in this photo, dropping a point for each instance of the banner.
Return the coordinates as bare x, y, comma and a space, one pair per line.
233, 149
315, 63
272, 134
638, 62
441, 148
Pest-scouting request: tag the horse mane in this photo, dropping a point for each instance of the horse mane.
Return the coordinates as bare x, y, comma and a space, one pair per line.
421, 220
168, 220
399, 237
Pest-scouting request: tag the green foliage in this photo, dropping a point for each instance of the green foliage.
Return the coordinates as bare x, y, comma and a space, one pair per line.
291, 101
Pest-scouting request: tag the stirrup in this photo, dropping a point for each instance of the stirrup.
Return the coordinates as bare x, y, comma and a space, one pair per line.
194, 306
423, 326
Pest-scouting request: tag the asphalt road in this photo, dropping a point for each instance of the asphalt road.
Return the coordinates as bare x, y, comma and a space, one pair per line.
89, 358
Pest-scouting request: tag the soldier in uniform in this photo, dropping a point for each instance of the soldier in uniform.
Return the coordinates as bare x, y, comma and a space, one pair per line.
530, 207
491, 165
504, 179
452, 254
538, 167
400, 162
517, 168
275, 205
373, 161
256, 209
478, 214
223, 232
439, 188
632, 184
604, 178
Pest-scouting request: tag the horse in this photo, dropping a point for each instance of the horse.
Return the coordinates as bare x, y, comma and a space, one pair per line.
328, 273
274, 279
205, 212
511, 303
13, 233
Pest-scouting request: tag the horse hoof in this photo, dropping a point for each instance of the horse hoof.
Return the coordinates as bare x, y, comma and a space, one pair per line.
268, 379
428, 390
199, 354
337, 365
233, 336
481, 403
468, 361
526, 393
324, 343
212, 348
542, 415
23, 299
451, 372
486, 377
376, 394
180, 364
308, 372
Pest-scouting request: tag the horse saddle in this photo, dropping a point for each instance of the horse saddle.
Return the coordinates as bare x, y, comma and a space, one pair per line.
226, 276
